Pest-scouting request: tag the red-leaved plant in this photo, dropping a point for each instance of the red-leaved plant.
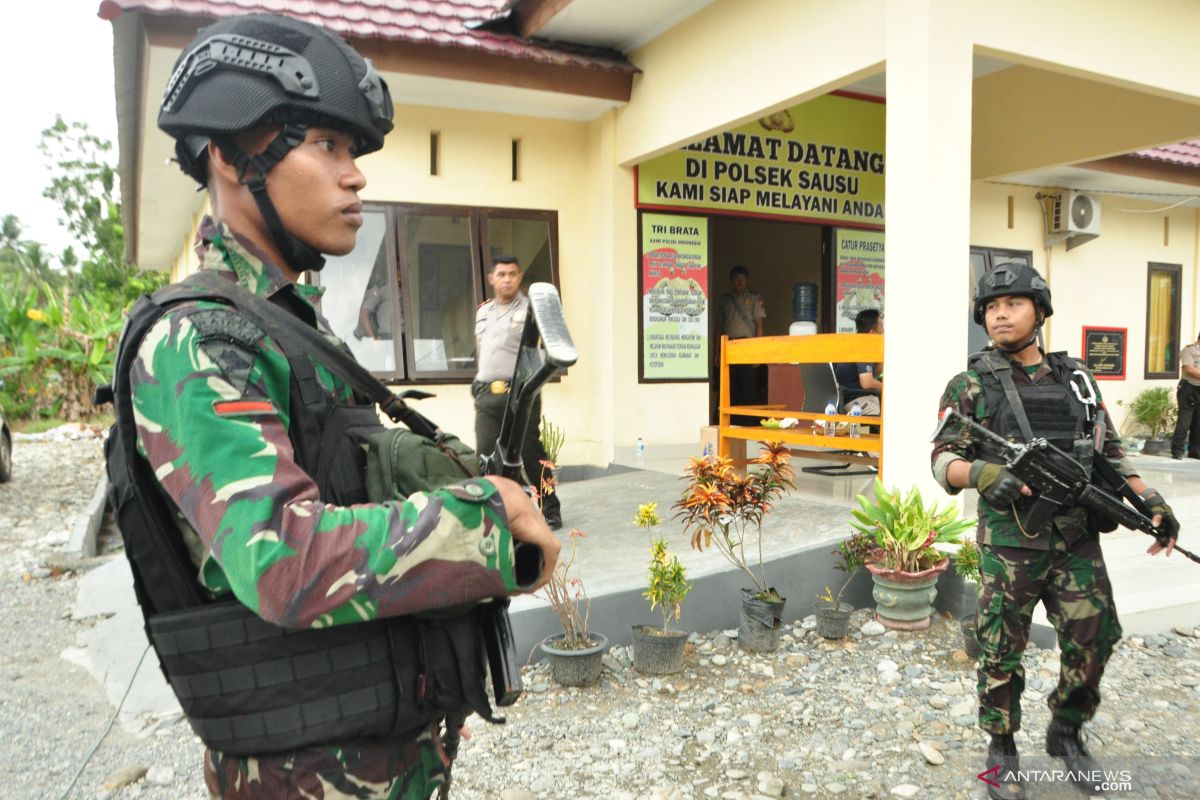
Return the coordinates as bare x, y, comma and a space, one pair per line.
721, 508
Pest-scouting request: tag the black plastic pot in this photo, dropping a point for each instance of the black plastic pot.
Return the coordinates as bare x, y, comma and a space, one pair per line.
832, 621
575, 667
759, 623
658, 653
970, 637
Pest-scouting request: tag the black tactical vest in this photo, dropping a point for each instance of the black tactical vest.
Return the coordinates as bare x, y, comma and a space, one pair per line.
249, 687
1052, 411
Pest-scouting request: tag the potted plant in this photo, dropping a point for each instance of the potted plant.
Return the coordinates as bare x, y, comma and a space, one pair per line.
1154, 410
659, 651
966, 564
575, 654
907, 565
552, 439
721, 508
833, 616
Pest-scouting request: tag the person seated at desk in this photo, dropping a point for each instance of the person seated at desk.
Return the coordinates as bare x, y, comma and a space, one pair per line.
858, 383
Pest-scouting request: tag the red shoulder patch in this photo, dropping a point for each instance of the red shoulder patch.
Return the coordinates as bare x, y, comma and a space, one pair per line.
239, 408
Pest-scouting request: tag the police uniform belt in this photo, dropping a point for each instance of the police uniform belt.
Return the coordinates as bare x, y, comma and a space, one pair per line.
488, 387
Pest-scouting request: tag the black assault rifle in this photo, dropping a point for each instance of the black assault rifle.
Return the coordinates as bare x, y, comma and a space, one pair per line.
1059, 481
546, 350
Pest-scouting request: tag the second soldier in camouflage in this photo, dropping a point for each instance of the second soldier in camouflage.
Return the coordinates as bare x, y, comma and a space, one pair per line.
1018, 391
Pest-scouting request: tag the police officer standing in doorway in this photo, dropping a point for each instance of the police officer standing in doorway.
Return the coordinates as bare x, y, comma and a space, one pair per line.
498, 325
315, 640
1019, 391
1187, 396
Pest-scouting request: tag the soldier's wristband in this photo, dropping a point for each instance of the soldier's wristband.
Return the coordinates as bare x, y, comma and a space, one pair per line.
1151, 498
977, 468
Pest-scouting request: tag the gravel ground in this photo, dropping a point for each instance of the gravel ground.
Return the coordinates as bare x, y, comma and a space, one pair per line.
877, 715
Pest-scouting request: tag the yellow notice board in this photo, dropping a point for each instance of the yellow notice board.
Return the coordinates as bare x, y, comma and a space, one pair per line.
674, 295
820, 161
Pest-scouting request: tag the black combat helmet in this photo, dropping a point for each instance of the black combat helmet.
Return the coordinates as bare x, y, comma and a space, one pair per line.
1011, 278
247, 70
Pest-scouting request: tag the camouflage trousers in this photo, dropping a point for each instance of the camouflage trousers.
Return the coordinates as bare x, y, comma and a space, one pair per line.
363, 770
1072, 582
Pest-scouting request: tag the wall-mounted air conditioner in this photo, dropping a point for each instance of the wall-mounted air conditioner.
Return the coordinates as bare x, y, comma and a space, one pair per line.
1075, 213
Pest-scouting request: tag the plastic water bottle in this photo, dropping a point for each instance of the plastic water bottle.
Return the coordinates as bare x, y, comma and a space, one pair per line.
639, 452
855, 427
831, 425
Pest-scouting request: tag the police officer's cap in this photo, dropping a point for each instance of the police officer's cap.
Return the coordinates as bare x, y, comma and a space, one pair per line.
244, 70
1012, 278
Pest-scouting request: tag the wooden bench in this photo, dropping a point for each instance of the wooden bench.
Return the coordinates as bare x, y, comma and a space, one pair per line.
806, 439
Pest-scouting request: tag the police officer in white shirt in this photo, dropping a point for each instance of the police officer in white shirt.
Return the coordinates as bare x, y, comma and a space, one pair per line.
498, 325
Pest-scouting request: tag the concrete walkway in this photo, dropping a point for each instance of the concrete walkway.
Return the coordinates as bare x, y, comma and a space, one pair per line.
1153, 594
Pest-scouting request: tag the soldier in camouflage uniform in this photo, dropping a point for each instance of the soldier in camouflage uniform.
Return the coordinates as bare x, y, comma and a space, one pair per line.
211, 395
1019, 391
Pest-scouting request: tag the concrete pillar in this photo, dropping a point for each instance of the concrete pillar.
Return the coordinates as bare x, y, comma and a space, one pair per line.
928, 215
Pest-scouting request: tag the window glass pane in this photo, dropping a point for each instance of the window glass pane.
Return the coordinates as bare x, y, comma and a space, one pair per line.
977, 337
528, 240
441, 292
361, 300
1161, 344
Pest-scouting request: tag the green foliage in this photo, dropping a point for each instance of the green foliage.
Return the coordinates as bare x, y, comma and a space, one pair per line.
52, 357
905, 528
58, 326
1153, 409
666, 583
966, 561
552, 439
852, 555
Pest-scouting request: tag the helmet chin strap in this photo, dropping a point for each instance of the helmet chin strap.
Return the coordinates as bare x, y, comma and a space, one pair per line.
1035, 338
299, 254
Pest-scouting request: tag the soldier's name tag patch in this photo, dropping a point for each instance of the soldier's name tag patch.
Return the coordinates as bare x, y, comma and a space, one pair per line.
243, 408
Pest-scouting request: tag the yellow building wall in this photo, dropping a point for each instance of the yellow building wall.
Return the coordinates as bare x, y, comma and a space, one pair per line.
1102, 282
475, 169
745, 58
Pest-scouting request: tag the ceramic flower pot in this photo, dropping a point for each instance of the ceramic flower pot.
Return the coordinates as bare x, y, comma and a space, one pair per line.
904, 600
580, 667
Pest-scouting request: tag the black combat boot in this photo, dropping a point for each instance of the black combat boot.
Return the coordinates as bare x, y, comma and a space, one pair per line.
1062, 741
1003, 764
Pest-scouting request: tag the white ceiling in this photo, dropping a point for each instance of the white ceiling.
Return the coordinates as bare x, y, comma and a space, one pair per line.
876, 85
1162, 193
623, 25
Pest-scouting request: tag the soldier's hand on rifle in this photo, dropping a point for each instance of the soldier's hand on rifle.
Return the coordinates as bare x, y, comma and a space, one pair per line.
527, 525
996, 484
1164, 520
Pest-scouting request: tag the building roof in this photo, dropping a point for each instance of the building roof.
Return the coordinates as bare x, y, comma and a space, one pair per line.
1184, 154
477, 25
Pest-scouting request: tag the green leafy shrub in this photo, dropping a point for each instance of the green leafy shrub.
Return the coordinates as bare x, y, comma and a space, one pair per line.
905, 528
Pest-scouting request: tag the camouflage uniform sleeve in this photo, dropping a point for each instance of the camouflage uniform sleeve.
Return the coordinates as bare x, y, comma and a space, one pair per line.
962, 394
212, 421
